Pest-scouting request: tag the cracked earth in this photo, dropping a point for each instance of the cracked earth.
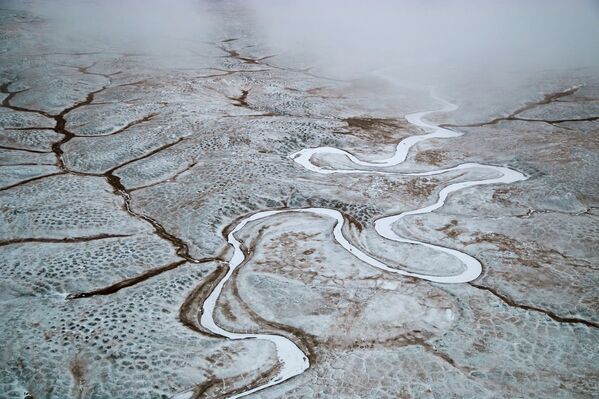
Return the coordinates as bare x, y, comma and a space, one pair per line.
125, 179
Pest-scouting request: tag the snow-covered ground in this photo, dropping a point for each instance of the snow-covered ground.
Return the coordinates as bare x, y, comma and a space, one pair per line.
216, 219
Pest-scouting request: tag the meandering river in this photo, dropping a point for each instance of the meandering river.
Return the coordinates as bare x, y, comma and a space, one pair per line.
293, 360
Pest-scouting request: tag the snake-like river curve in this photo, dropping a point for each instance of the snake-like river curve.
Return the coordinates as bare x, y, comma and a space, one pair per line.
293, 361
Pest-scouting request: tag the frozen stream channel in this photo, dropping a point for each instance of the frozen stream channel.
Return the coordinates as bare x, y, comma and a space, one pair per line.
293, 360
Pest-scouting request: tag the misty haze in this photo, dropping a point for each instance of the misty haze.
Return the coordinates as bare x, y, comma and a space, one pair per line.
299, 199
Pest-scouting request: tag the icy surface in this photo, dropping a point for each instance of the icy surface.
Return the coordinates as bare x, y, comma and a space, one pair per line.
216, 219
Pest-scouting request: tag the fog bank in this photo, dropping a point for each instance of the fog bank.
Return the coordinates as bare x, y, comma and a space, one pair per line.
430, 40
417, 41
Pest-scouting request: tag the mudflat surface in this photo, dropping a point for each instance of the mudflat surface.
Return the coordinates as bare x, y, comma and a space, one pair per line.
137, 261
